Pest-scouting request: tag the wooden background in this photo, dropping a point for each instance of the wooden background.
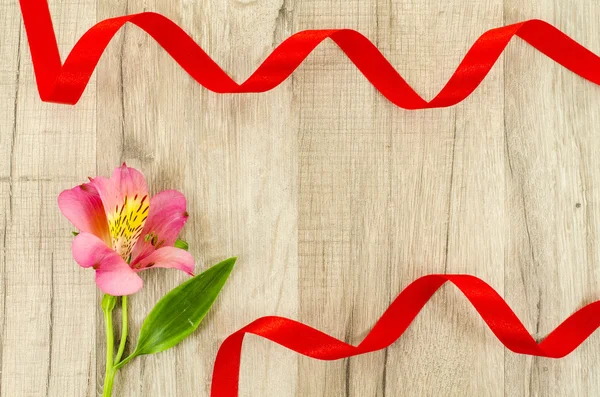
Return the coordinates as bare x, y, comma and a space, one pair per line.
333, 198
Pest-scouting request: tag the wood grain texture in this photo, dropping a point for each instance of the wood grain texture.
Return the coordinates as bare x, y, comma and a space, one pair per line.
333, 198
48, 341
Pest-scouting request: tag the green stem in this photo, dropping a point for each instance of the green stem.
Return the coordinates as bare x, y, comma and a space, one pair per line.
109, 374
125, 361
108, 383
112, 365
123, 329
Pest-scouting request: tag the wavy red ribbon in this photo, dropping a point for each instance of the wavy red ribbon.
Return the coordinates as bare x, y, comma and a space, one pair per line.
65, 83
493, 309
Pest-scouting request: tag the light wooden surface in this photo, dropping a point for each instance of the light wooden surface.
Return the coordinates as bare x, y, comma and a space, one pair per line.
333, 198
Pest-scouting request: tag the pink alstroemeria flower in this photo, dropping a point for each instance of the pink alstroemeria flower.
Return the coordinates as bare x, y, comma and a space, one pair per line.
123, 231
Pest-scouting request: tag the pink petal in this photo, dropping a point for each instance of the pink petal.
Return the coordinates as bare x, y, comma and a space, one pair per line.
113, 274
108, 192
118, 279
124, 182
166, 218
130, 181
169, 257
82, 206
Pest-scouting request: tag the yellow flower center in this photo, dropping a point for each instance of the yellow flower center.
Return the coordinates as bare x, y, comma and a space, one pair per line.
126, 224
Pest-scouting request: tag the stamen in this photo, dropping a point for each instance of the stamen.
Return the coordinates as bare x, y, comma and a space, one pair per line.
125, 225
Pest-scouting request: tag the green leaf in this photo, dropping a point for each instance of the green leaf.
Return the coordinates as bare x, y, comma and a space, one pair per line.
180, 312
75, 233
181, 244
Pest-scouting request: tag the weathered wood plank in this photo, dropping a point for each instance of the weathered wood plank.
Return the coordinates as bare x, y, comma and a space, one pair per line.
552, 199
48, 308
387, 196
235, 159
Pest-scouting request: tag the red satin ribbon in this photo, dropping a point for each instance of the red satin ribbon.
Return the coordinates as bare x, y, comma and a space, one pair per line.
493, 309
65, 83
